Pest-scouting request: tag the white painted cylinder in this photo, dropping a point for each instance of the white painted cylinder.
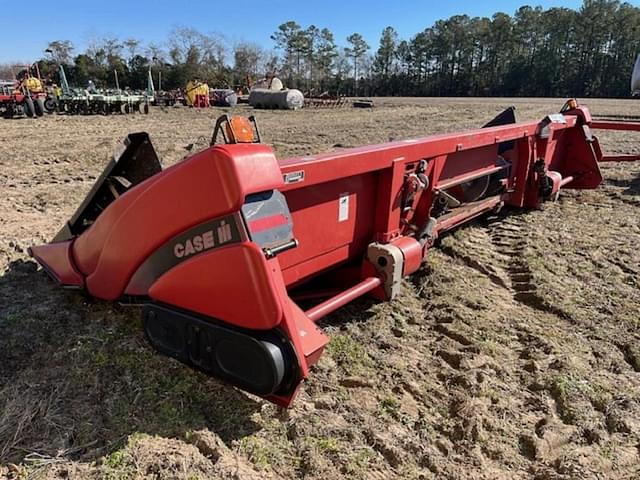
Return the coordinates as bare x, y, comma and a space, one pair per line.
635, 77
291, 99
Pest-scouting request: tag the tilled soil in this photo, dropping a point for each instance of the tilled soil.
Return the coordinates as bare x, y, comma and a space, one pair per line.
513, 353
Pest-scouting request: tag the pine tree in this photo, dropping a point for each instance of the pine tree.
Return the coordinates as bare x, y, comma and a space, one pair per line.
358, 47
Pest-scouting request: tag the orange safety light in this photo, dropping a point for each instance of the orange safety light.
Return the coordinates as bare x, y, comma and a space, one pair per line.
237, 129
240, 130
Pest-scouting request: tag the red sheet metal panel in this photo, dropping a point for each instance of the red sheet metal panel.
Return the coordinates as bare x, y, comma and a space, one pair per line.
232, 283
207, 185
333, 223
56, 259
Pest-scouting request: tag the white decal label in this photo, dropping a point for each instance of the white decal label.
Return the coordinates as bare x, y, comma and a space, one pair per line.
343, 209
294, 177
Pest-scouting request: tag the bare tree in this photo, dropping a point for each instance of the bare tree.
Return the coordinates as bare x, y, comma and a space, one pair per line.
60, 51
269, 63
6, 72
132, 45
156, 53
246, 57
188, 45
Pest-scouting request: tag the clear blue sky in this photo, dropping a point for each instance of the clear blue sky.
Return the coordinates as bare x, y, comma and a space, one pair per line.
38, 22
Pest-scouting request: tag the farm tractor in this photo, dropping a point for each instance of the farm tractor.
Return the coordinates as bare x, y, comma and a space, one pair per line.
234, 255
25, 96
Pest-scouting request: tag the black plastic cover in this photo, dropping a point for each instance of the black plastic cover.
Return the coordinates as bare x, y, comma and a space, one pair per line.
259, 362
259, 209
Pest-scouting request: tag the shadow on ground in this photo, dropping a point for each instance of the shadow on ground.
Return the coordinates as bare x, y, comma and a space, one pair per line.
632, 187
77, 377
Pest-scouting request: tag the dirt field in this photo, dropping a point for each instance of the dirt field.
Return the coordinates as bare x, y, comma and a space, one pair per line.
513, 353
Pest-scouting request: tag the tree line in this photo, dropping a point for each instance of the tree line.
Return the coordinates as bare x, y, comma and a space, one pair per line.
534, 52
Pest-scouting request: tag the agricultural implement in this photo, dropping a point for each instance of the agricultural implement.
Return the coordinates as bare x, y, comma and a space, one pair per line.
169, 98
324, 100
196, 94
223, 97
223, 249
363, 103
77, 101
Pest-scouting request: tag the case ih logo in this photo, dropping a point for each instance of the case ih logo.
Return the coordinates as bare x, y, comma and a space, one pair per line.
204, 241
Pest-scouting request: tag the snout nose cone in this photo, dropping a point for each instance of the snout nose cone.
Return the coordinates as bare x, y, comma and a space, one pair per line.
55, 258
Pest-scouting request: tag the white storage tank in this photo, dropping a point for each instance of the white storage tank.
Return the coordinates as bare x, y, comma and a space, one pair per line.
290, 99
635, 77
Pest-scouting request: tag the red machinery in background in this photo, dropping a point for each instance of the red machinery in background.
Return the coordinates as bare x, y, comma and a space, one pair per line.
26, 95
217, 246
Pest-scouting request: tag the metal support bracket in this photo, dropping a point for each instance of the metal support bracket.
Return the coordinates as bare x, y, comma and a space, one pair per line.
389, 262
